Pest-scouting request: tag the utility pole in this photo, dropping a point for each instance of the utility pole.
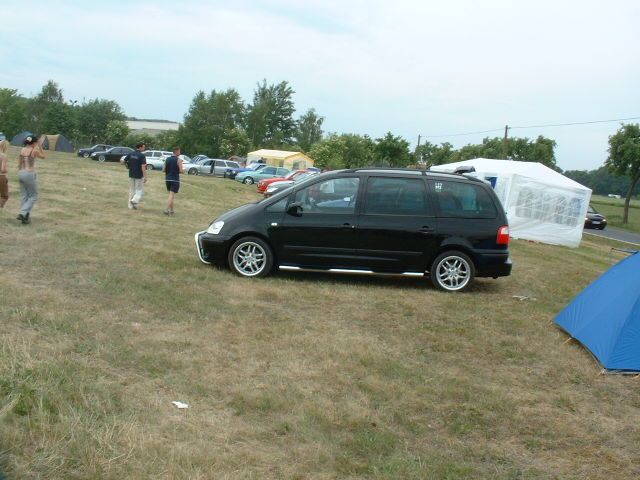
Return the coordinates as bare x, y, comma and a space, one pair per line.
505, 141
418, 149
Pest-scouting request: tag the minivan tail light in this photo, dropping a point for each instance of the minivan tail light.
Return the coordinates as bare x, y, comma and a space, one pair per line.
503, 235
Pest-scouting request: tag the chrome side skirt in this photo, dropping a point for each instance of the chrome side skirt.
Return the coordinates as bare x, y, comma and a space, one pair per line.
199, 246
349, 271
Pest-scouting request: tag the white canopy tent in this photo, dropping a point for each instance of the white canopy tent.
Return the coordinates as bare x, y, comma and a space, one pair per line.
541, 204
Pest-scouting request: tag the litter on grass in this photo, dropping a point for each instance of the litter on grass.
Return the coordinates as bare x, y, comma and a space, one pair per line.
180, 404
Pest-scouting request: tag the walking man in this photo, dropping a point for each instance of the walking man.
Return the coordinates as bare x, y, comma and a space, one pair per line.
137, 164
172, 169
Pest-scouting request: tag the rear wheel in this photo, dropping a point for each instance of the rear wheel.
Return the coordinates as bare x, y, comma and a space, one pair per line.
251, 257
102, 158
248, 181
193, 171
452, 271
149, 166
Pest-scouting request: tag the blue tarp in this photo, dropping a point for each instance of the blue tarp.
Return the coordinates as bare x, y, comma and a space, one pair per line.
605, 316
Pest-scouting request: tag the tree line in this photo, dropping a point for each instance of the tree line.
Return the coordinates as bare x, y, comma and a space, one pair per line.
221, 124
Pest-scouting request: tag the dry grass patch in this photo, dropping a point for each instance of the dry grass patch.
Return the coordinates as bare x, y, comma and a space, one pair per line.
108, 316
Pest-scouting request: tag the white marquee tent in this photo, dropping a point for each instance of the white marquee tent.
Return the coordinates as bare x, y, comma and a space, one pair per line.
541, 204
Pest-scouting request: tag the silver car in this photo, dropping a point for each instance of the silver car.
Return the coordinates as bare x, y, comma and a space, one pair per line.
219, 166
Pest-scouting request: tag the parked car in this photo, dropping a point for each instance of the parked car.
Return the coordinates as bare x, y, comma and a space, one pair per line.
276, 187
219, 166
232, 172
111, 155
100, 147
252, 176
265, 182
197, 158
594, 219
156, 158
391, 221
188, 166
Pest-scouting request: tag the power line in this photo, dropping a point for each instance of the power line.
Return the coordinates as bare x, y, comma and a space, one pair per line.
532, 126
579, 123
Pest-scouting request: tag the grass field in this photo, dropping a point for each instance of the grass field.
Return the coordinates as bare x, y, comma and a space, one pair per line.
613, 209
108, 316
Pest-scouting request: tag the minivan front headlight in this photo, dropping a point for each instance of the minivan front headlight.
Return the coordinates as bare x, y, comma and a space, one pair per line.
215, 227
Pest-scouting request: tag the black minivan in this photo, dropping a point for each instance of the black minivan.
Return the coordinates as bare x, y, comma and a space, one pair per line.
369, 220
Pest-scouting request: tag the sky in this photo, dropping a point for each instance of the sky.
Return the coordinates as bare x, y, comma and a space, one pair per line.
429, 68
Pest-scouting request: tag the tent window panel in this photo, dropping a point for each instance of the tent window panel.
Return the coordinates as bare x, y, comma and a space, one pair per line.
524, 206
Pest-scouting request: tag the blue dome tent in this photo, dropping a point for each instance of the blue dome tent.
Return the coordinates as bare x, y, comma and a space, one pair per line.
605, 317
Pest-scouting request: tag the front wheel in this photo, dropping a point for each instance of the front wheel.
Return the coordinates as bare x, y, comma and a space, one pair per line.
102, 158
85, 154
193, 171
251, 257
149, 166
452, 271
248, 181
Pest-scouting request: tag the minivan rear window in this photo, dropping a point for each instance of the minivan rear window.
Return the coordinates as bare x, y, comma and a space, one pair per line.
457, 199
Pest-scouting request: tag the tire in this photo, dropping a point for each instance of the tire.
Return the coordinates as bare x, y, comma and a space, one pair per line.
149, 166
85, 154
248, 181
452, 271
250, 257
102, 158
193, 171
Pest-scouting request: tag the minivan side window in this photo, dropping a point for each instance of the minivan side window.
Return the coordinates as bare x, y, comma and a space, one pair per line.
395, 196
465, 200
337, 195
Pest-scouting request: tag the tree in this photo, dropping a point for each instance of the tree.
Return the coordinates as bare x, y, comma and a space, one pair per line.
94, 116
116, 132
392, 151
308, 129
624, 159
213, 120
59, 118
133, 138
13, 116
167, 140
270, 121
329, 153
50, 94
431, 154
234, 142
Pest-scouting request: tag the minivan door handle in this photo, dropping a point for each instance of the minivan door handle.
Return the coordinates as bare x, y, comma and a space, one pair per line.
348, 225
426, 229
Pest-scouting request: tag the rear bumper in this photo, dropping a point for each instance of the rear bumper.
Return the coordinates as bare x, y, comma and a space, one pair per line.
493, 265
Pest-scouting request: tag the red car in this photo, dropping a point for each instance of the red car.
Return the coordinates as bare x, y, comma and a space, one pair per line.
263, 184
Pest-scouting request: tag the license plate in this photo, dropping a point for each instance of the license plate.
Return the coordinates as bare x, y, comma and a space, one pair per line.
596, 223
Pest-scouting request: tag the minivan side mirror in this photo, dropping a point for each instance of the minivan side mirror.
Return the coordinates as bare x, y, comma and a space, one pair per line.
295, 209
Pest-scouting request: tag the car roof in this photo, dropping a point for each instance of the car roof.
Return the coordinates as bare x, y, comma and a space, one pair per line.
410, 172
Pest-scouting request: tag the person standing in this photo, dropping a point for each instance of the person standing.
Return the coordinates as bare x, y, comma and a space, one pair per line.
4, 181
172, 169
137, 164
27, 177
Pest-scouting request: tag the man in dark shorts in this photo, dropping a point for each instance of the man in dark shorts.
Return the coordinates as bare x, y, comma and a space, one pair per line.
137, 164
172, 169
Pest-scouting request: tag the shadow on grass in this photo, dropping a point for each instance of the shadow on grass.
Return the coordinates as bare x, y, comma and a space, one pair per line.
483, 285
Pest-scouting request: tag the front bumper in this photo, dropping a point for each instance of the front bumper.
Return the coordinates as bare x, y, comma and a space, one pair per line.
212, 249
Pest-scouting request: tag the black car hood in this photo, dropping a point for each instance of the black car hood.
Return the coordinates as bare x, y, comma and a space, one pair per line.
236, 212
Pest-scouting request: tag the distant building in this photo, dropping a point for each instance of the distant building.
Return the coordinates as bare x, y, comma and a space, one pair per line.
152, 127
281, 158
